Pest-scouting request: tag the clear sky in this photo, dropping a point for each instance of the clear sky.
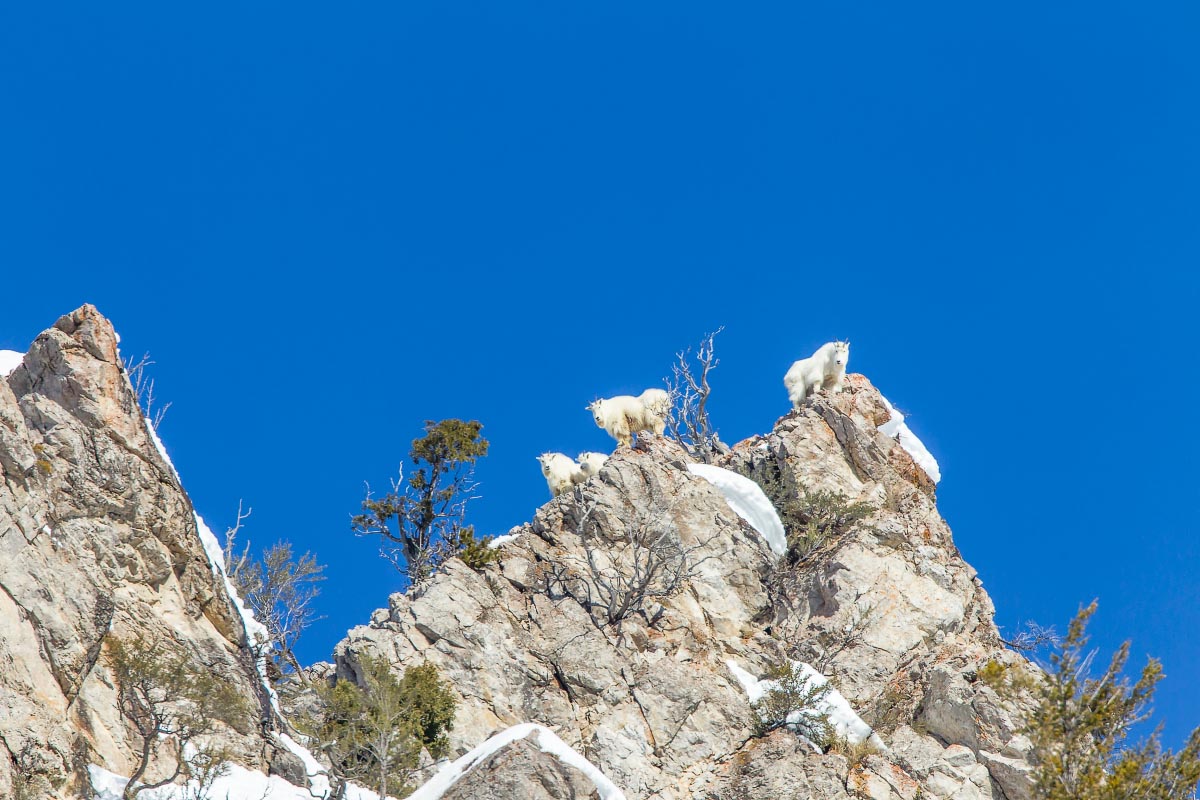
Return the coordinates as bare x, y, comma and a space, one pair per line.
329, 222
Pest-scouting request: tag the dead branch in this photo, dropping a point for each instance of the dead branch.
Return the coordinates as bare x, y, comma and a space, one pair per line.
689, 390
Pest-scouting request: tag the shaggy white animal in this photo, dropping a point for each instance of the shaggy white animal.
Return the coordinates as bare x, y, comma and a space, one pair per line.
591, 463
824, 369
658, 403
561, 472
624, 415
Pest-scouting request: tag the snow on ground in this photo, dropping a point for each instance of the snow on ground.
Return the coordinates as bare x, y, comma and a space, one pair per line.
895, 427
238, 784
255, 631
9, 360
318, 781
244, 784
499, 540
436, 786
845, 722
747, 500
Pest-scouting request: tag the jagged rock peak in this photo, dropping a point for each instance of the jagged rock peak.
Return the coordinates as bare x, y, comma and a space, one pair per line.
97, 540
889, 611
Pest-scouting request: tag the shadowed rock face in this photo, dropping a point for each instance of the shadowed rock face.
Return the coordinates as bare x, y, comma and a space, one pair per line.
97, 539
890, 611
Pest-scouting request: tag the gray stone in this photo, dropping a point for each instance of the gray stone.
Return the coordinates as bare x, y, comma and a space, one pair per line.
97, 539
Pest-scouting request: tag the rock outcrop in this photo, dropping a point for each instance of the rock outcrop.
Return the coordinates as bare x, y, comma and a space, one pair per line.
626, 617
97, 540
889, 611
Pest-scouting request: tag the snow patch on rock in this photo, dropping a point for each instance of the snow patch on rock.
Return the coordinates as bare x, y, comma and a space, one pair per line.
896, 428
256, 632
748, 501
238, 783
9, 361
500, 540
846, 723
547, 740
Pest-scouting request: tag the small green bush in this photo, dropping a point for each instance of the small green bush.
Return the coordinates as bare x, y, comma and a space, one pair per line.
475, 553
794, 703
819, 517
373, 732
810, 519
421, 521
172, 703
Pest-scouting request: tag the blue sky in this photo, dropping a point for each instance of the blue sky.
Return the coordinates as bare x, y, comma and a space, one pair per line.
328, 224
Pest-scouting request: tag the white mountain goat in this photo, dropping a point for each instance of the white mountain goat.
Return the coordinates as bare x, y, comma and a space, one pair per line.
824, 369
658, 403
624, 415
561, 472
591, 463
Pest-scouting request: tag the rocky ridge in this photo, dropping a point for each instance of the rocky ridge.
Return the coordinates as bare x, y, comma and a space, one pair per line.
98, 539
889, 611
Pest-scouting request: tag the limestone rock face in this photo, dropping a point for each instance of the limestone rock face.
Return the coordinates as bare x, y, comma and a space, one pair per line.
97, 539
889, 611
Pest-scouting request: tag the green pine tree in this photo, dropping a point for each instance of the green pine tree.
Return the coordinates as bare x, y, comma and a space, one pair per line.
373, 732
421, 523
1080, 726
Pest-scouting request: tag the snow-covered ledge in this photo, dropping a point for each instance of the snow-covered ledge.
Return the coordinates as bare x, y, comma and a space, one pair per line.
748, 501
896, 428
846, 723
547, 740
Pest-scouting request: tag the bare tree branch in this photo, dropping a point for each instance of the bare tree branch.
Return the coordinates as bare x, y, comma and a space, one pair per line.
143, 387
689, 391
421, 521
630, 565
280, 589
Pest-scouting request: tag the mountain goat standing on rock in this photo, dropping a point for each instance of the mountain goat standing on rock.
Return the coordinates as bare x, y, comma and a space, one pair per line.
591, 463
561, 472
658, 403
624, 415
824, 369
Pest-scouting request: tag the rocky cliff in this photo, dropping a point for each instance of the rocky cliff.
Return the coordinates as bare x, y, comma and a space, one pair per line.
888, 610
97, 540
625, 624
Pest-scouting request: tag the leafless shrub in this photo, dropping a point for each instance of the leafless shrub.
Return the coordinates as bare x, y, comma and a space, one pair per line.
629, 566
143, 387
280, 589
829, 643
803, 639
1031, 637
689, 391
206, 767
893, 708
